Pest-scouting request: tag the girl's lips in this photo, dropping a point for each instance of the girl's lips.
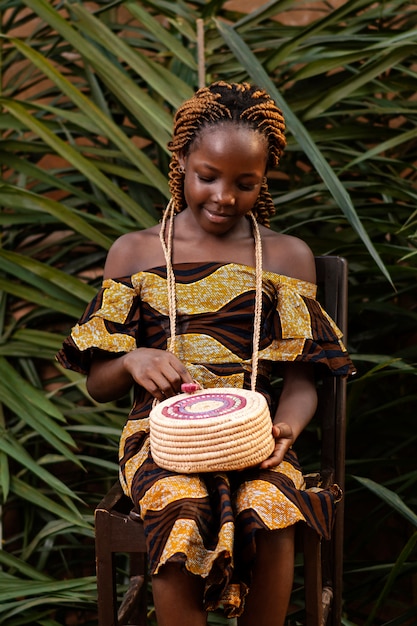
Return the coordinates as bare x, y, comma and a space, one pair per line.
217, 217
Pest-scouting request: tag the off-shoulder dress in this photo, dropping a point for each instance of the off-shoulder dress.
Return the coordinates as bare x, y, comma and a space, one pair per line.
207, 522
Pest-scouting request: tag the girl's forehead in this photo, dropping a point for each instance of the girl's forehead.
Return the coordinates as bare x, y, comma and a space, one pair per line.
233, 149
230, 132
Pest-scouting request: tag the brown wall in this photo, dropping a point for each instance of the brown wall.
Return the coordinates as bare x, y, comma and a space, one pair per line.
296, 17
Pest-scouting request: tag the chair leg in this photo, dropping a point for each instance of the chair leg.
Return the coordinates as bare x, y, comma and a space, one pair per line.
134, 607
105, 570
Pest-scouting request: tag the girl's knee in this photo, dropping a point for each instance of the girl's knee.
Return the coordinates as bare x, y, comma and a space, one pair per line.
269, 542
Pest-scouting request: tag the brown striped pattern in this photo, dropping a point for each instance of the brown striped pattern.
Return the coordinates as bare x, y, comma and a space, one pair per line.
208, 523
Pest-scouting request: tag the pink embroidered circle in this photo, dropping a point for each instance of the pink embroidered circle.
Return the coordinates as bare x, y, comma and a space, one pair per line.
205, 405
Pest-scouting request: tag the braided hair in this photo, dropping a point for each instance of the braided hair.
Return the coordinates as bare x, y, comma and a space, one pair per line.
227, 102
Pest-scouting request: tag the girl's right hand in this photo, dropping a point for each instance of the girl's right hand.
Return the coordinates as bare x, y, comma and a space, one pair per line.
158, 371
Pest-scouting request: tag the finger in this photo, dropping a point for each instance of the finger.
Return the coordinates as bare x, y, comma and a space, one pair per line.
276, 431
159, 395
272, 461
161, 386
277, 456
169, 380
184, 375
282, 431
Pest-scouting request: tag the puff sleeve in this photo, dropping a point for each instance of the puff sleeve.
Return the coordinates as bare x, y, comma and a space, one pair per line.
110, 323
299, 329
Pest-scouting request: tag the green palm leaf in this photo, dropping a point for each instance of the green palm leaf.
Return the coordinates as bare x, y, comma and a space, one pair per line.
18, 198
31, 494
84, 165
12, 448
160, 79
258, 74
390, 497
100, 121
152, 116
52, 281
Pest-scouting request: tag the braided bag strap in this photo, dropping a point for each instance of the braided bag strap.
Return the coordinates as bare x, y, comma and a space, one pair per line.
166, 236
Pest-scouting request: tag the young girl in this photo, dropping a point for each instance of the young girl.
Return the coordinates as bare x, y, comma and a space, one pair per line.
221, 539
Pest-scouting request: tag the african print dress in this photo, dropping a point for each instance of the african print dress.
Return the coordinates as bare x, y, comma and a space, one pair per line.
207, 522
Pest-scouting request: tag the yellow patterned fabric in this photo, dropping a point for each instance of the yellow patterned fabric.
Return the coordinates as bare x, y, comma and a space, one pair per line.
207, 523
118, 307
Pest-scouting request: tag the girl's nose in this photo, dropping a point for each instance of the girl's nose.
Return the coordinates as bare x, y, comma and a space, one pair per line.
225, 197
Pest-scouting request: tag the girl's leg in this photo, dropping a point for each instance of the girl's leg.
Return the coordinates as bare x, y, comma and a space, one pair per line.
178, 598
270, 591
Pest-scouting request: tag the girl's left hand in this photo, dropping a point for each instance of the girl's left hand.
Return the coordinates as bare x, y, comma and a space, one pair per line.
284, 439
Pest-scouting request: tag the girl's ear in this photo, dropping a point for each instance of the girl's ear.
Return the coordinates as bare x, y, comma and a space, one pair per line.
181, 159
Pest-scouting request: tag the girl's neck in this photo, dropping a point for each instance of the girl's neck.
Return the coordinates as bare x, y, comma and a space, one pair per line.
192, 243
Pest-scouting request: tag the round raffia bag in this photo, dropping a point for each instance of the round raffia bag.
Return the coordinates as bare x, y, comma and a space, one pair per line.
211, 429
219, 429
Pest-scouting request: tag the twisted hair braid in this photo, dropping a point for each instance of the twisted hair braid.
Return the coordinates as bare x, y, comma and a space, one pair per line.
227, 102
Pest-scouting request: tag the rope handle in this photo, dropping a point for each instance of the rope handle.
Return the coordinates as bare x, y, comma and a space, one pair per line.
172, 304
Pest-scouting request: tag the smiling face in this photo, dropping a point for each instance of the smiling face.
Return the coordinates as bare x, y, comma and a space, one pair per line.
223, 175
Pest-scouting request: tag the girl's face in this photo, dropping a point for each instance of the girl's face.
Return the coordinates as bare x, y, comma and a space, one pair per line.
223, 175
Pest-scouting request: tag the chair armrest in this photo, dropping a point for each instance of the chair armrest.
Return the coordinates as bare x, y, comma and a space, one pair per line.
116, 500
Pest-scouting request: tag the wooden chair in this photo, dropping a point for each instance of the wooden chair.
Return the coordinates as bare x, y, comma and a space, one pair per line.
119, 530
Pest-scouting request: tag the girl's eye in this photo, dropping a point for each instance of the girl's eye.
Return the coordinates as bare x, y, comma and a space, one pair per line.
211, 179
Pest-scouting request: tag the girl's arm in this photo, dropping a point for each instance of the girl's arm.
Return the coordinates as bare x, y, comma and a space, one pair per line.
296, 407
159, 372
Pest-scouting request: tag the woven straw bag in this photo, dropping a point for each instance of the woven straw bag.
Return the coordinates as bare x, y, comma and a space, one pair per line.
219, 429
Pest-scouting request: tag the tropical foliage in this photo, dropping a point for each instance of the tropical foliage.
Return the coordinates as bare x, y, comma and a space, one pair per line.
87, 95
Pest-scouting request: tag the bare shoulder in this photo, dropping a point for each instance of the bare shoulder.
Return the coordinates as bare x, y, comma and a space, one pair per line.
134, 252
288, 255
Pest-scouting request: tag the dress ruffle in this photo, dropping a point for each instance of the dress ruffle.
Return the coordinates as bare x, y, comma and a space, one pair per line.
207, 523
110, 322
295, 327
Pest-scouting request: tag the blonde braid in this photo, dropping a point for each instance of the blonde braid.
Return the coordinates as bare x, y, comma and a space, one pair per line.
232, 102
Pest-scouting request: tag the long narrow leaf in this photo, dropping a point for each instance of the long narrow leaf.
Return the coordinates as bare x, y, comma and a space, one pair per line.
28, 294
12, 562
12, 448
382, 147
22, 199
14, 588
51, 530
29, 493
50, 275
35, 397
354, 83
389, 497
159, 78
393, 575
101, 121
51, 432
258, 74
4, 476
161, 34
154, 118
80, 162
333, 17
